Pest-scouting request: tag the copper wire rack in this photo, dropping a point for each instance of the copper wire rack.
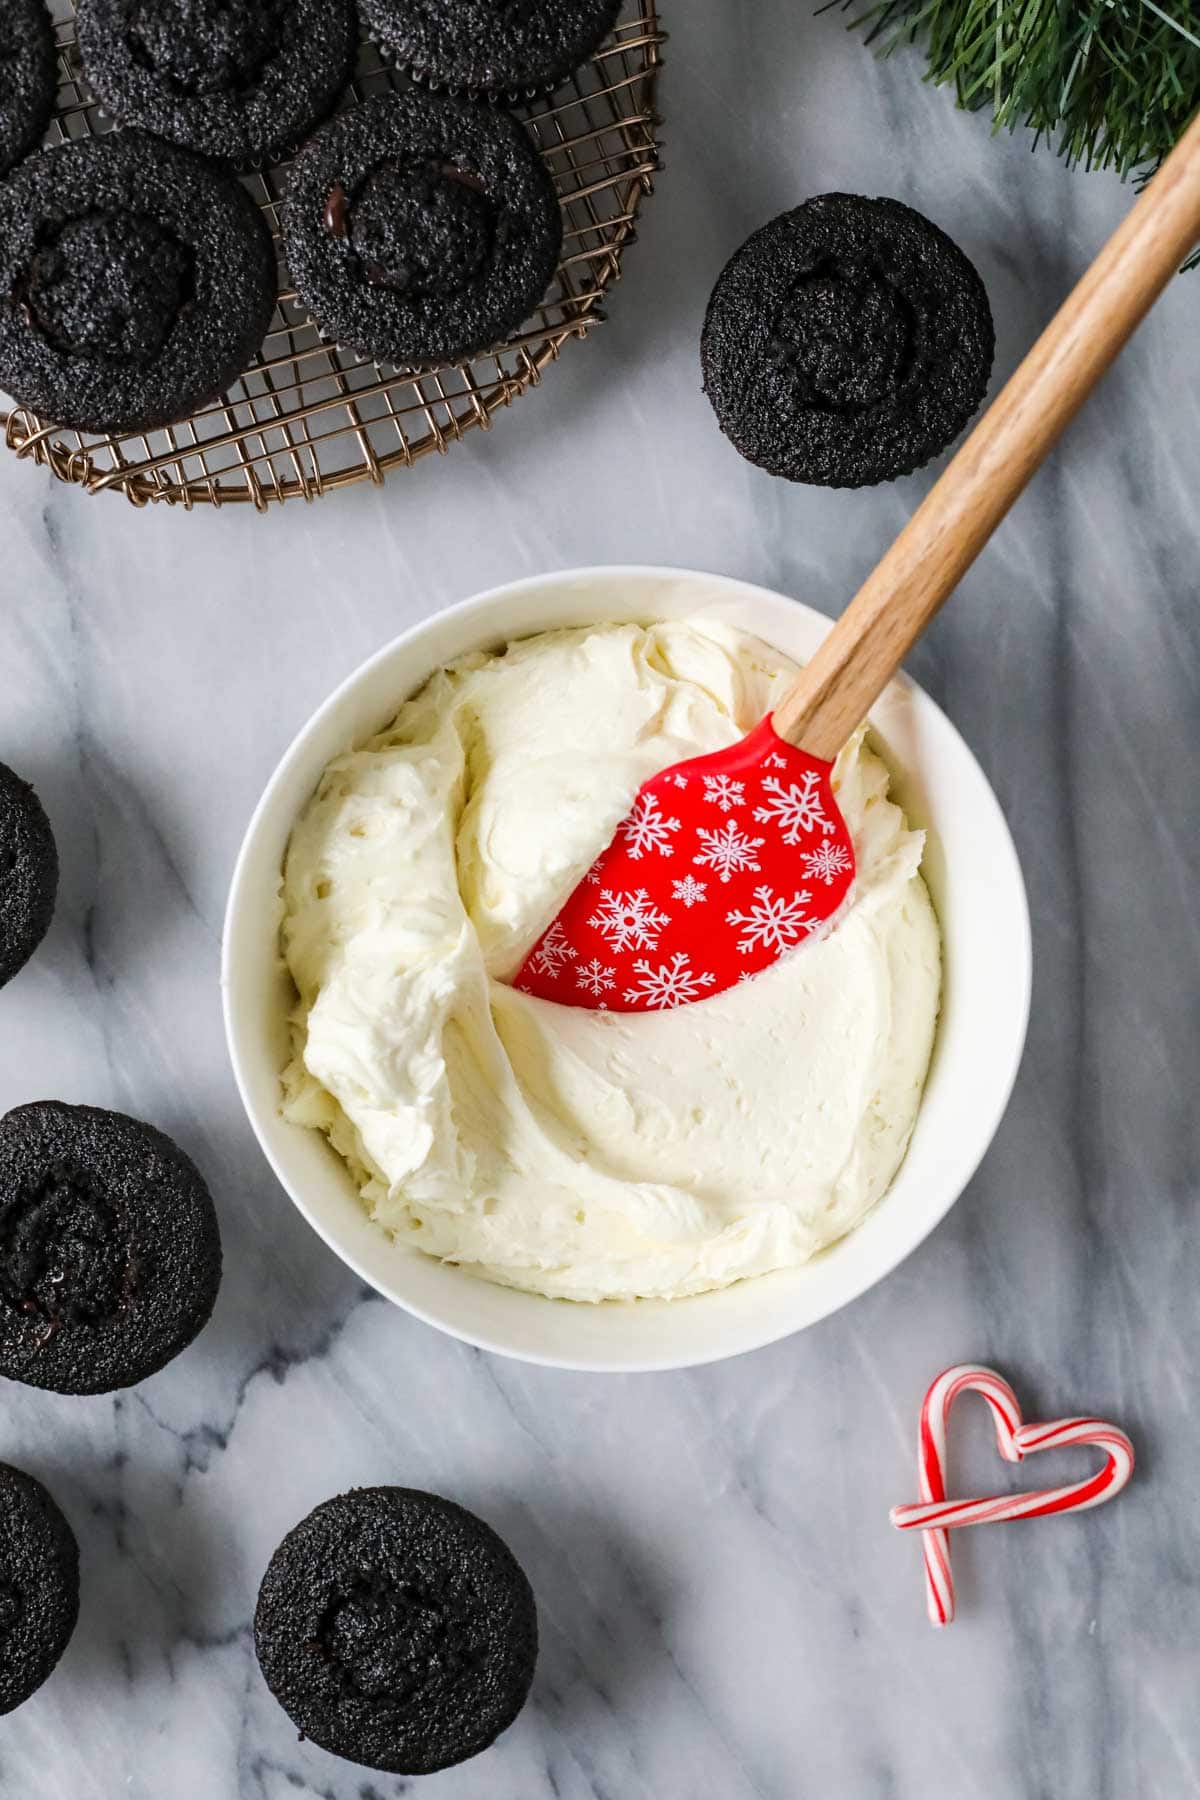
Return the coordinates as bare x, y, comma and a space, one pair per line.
309, 416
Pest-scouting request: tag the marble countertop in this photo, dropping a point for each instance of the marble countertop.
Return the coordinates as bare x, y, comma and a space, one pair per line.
725, 1610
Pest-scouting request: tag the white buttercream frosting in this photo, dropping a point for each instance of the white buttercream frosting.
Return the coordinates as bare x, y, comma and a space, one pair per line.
590, 1155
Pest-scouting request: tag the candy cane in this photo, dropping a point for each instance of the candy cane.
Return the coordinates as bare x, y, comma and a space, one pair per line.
931, 1465
934, 1516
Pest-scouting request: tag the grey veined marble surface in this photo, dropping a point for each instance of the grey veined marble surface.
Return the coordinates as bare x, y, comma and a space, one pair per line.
725, 1611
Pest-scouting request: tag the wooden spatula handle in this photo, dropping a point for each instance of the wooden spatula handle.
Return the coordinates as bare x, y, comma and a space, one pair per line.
946, 533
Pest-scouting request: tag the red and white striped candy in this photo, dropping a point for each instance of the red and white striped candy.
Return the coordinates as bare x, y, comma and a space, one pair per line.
934, 1516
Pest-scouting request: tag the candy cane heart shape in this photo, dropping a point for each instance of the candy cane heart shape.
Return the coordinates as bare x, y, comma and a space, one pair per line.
935, 1516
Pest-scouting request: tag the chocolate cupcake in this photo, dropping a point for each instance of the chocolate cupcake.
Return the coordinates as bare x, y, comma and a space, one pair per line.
110, 1256
39, 1585
236, 82
396, 1630
477, 46
421, 229
28, 77
28, 873
847, 342
136, 283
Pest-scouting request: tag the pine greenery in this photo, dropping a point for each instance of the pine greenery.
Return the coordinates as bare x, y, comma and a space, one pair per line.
1111, 83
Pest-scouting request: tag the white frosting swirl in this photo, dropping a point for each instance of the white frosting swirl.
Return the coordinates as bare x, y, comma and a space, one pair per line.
590, 1155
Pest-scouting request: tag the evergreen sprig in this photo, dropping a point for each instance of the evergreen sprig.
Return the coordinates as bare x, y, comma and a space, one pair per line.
1111, 83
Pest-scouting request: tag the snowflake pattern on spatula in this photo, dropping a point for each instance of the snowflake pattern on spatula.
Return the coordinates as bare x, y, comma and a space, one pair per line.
728, 852
647, 831
596, 978
772, 922
670, 984
723, 865
795, 807
724, 792
553, 952
827, 862
690, 892
628, 921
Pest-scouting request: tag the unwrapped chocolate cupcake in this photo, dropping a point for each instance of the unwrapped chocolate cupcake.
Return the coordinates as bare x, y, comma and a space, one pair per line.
420, 228
236, 82
136, 283
397, 1630
847, 342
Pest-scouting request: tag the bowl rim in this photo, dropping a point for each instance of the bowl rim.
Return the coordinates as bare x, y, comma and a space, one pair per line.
964, 1167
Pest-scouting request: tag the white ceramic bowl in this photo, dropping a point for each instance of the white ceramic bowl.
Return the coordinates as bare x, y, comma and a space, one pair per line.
973, 875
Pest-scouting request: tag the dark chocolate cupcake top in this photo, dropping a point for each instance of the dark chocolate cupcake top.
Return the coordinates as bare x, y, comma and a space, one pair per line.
136, 283
491, 46
110, 1256
237, 82
28, 77
28, 873
397, 1630
420, 228
39, 1585
846, 342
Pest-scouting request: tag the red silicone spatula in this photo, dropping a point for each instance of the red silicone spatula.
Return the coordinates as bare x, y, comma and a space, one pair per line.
729, 861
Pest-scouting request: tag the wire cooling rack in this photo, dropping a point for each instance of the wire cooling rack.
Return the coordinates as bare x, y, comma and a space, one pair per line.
309, 416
